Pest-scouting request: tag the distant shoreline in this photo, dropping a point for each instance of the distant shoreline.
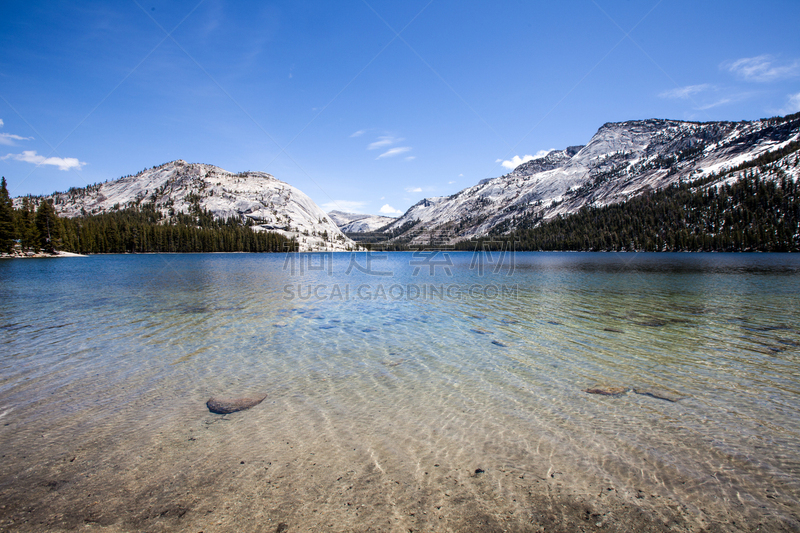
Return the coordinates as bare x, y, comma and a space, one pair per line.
39, 255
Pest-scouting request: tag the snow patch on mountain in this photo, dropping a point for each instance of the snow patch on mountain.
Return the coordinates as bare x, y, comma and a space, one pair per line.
621, 160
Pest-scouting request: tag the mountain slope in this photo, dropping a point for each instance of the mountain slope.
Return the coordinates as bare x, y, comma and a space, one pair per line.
621, 160
755, 208
256, 199
358, 223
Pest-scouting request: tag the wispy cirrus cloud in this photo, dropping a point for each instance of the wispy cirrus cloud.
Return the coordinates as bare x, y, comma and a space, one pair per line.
706, 96
413, 189
394, 151
792, 106
728, 99
358, 133
30, 156
384, 141
686, 92
8, 139
516, 161
763, 68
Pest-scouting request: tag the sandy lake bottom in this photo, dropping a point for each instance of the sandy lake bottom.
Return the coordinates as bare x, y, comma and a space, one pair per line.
445, 398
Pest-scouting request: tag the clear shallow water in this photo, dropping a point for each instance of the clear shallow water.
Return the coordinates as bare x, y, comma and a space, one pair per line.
385, 368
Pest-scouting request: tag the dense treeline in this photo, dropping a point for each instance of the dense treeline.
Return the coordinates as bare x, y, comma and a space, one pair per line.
751, 214
134, 230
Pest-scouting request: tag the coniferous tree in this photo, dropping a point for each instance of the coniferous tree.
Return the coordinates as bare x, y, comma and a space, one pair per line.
47, 225
7, 232
26, 228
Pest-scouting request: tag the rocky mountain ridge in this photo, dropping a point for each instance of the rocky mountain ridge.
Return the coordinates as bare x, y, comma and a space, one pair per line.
620, 161
256, 199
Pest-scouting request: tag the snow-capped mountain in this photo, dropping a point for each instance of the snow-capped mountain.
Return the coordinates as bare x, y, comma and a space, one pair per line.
358, 223
621, 160
254, 198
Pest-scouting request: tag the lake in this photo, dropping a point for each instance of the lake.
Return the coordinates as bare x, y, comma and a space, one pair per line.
405, 391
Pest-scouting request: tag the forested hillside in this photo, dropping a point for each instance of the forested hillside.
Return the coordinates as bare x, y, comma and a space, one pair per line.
133, 230
748, 213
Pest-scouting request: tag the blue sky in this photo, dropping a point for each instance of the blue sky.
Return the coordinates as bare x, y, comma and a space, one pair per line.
368, 105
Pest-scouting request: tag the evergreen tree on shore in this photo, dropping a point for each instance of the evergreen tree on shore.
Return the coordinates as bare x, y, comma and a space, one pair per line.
7, 230
46, 221
25, 227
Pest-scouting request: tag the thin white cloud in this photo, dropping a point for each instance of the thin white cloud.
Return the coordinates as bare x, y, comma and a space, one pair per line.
731, 98
394, 151
30, 156
685, 92
762, 68
516, 161
347, 206
450, 182
411, 157
358, 133
721, 101
389, 210
9, 138
383, 141
792, 106
413, 189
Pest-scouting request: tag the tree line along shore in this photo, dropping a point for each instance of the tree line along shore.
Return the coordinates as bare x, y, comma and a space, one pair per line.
751, 214
143, 229
755, 209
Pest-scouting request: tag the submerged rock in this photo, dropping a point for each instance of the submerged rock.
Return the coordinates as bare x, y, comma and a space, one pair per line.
607, 391
659, 394
223, 406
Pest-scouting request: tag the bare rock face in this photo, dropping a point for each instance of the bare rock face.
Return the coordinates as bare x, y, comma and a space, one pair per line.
223, 406
256, 199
